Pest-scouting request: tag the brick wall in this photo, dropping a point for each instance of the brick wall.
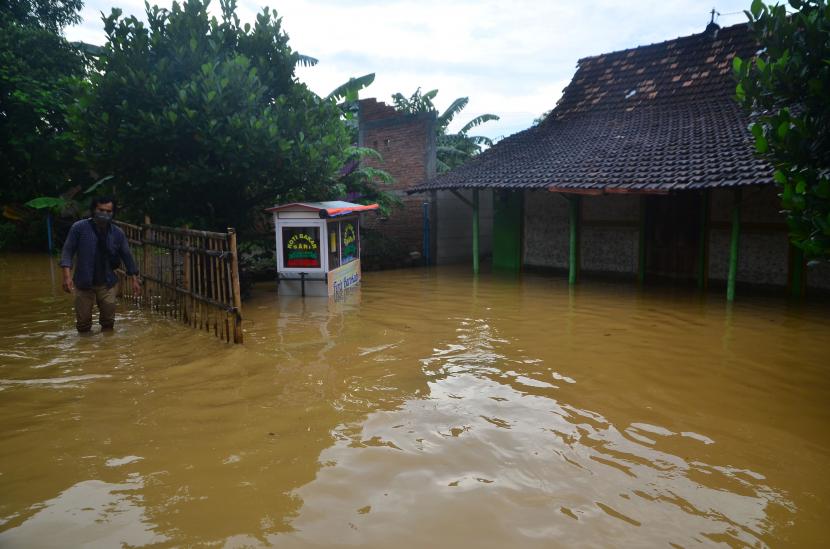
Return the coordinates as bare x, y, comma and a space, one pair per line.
407, 144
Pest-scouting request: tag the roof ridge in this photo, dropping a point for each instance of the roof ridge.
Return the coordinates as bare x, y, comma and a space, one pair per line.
655, 118
646, 46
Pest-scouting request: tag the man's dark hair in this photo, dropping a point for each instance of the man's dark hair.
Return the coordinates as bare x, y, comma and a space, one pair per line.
102, 200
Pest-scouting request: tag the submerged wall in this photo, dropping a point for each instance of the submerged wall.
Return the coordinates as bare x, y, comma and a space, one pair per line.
818, 276
763, 256
609, 237
610, 234
545, 230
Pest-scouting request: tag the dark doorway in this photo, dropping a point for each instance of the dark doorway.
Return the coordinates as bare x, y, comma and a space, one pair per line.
508, 212
673, 235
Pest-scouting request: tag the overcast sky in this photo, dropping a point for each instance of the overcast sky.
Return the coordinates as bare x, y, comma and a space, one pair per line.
511, 58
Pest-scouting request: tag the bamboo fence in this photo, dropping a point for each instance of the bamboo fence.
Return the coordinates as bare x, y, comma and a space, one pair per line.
188, 275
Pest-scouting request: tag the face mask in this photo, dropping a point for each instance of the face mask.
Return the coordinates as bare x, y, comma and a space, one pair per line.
102, 217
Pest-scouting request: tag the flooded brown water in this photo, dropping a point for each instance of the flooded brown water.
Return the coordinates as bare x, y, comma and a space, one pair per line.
429, 409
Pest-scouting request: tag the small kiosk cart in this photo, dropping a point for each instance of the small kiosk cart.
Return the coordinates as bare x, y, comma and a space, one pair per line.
318, 246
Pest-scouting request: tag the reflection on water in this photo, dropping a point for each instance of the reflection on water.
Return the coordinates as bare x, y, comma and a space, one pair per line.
90, 512
427, 408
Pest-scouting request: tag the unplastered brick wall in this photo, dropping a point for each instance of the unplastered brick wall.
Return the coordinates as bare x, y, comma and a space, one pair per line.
407, 144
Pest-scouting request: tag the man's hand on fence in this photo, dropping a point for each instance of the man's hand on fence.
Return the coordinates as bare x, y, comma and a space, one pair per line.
136, 286
68, 285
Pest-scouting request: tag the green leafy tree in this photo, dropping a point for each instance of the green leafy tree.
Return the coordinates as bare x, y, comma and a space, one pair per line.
453, 149
787, 88
202, 121
51, 15
37, 68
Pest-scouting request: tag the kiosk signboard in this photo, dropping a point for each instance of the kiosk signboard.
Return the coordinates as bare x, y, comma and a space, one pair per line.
343, 278
301, 247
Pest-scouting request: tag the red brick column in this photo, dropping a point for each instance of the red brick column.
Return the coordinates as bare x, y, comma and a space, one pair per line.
407, 144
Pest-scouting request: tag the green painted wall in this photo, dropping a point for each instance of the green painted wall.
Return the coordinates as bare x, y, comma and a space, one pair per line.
508, 213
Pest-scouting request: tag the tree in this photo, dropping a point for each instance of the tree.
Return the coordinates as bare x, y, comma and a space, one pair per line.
37, 68
453, 149
50, 15
786, 87
202, 121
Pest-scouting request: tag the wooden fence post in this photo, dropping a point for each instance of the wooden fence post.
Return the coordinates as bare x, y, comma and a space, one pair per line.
237, 297
145, 268
188, 305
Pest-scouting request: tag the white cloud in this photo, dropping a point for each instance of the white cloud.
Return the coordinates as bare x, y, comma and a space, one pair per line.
510, 58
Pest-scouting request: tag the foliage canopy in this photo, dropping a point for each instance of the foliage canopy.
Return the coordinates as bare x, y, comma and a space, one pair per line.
51, 15
787, 86
37, 67
202, 121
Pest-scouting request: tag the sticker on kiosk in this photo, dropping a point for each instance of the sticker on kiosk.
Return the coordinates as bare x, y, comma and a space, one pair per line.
349, 242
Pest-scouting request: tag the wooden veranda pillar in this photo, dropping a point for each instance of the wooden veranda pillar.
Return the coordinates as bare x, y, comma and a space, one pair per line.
641, 247
433, 227
573, 249
703, 246
734, 246
475, 232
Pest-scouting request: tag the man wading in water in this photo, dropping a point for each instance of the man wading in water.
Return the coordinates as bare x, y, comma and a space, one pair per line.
100, 247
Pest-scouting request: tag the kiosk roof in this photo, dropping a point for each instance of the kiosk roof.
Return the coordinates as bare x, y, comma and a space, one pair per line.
330, 208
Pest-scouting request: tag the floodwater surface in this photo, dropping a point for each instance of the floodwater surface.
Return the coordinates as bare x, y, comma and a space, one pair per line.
427, 409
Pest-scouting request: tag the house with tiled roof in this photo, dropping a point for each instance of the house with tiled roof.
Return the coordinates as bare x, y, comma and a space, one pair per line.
644, 168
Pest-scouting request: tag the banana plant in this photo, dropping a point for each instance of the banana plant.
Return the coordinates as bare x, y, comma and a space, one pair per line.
305, 60
365, 183
453, 149
347, 96
349, 91
57, 204
64, 204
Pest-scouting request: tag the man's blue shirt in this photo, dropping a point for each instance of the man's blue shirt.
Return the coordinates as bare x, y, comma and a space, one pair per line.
83, 241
